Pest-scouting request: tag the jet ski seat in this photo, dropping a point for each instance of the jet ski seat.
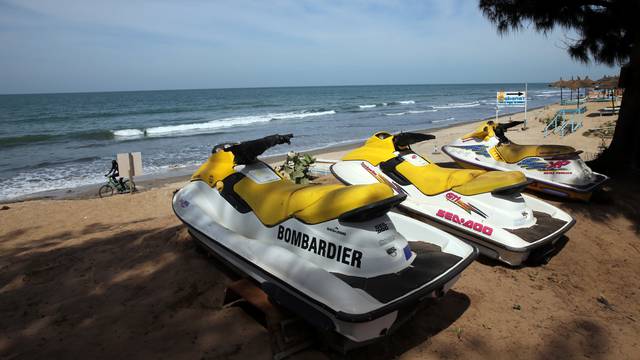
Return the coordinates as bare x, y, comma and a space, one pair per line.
433, 179
274, 202
512, 153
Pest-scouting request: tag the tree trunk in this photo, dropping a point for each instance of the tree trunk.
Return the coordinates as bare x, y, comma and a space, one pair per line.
623, 155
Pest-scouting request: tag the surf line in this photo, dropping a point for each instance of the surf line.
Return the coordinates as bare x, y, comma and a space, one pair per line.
329, 250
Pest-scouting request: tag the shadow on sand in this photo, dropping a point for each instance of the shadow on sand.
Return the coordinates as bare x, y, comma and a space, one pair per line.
620, 197
126, 294
435, 317
140, 293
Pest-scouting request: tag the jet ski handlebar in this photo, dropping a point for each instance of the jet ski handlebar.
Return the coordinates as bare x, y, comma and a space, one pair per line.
403, 140
248, 151
509, 125
501, 127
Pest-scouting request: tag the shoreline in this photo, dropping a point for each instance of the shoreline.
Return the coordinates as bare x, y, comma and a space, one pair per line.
180, 174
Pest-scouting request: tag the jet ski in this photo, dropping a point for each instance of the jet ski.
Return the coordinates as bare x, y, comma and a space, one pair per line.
553, 169
332, 254
485, 208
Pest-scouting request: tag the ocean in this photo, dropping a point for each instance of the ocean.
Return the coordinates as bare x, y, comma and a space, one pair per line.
60, 141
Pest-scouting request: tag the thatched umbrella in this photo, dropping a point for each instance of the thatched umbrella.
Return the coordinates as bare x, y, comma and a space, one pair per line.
609, 83
586, 82
580, 84
559, 84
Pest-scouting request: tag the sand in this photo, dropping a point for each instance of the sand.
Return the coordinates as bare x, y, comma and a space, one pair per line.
120, 278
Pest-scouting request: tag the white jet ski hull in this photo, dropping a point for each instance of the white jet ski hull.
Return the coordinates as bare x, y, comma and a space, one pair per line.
332, 301
506, 228
566, 178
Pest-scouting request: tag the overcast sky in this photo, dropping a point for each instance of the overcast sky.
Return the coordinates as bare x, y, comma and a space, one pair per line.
87, 45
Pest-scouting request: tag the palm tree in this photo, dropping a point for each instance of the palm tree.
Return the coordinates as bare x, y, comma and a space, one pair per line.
608, 33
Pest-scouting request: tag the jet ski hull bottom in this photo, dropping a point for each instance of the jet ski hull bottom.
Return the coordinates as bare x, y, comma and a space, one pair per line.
566, 192
282, 294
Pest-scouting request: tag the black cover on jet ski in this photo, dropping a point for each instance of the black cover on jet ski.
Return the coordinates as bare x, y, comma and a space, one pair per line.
501, 127
247, 152
403, 140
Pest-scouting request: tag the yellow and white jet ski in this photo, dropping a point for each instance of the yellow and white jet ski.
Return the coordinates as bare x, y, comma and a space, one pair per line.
333, 254
484, 208
553, 169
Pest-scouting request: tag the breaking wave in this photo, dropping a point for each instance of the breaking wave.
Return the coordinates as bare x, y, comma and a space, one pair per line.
443, 120
458, 105
411, 112
209, 126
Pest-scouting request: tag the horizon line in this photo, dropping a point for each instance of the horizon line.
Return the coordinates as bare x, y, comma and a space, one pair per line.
258, 87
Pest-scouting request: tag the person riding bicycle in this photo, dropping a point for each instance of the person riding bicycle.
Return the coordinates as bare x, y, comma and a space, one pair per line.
114, 173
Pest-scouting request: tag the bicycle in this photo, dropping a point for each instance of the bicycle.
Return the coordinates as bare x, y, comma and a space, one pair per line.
111, 186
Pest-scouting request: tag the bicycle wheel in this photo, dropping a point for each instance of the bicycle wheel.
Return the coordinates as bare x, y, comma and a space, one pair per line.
105, 190
128, 187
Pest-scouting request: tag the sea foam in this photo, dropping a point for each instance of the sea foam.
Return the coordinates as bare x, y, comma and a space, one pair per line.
205, 127
458, 105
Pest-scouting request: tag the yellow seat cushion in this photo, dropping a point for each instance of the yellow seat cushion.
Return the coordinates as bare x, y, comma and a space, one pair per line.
489, 181
512, 153
277, 201
331, 204
433, 179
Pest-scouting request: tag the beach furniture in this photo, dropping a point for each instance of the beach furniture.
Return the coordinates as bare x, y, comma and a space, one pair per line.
565, 122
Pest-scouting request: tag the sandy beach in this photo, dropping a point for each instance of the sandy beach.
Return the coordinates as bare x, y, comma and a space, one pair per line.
120, 278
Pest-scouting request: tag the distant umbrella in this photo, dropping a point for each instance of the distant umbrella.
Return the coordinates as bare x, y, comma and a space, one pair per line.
559, 84
609, 83
585, 83
580, 84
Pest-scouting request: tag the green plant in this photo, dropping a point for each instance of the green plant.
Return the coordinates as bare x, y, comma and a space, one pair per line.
546, 119
458, 332
296, 167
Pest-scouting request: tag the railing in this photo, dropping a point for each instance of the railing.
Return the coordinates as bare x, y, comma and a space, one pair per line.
573, 101
580, 110
562, 124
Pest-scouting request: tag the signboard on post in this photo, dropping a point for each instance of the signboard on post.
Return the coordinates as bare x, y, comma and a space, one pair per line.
506, 99
130, 165
511, 98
